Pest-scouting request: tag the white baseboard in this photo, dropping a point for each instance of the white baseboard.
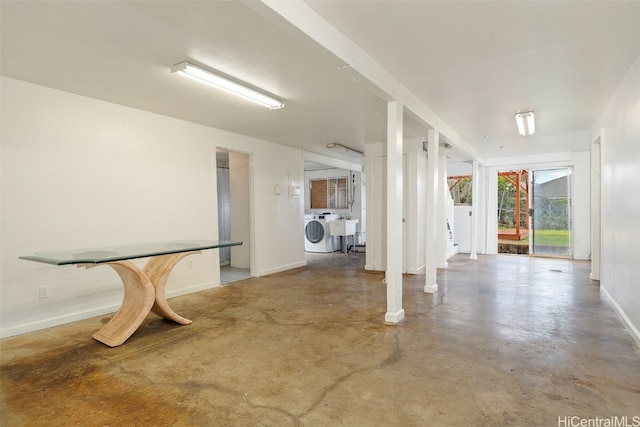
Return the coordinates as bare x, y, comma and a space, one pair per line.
418, 270
282, 268
192, 289
56, 321
87, 314
633, 331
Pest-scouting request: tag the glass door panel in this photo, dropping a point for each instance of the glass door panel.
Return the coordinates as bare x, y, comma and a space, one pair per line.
551, 213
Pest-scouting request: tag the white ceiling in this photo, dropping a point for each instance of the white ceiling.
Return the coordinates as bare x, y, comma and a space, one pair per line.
474, 63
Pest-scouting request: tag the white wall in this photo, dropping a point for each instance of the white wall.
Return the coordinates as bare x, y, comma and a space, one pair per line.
376, 202
78, 172
414, 206
619, 130
462, 230
581, 161
459, 168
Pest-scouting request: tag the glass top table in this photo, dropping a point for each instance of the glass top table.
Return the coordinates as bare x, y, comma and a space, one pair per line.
144, 288
124, 252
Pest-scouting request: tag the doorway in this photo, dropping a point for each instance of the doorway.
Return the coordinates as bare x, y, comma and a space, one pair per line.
513, 208
551, 212
332, 192
234, 211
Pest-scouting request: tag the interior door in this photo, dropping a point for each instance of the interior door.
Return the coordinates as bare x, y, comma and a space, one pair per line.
551, 212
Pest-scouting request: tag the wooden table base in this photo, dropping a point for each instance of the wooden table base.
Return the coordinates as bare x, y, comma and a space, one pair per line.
143, 292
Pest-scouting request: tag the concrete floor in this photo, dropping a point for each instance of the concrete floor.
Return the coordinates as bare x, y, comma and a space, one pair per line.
508, 340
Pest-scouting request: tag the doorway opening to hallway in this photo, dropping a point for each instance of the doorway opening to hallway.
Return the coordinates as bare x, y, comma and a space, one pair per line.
234, 210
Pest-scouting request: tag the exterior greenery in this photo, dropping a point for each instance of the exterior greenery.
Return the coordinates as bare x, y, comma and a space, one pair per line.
551, 212
461, 191
507, 204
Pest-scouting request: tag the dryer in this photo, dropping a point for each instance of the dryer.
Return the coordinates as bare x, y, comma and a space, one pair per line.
317, 235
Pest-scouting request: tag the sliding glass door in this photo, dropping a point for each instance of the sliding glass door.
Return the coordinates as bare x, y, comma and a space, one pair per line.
551, 212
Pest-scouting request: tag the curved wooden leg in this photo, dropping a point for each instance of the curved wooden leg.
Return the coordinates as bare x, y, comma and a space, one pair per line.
157, 270
136, 304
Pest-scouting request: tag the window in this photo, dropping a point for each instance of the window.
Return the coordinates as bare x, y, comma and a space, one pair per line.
328, 193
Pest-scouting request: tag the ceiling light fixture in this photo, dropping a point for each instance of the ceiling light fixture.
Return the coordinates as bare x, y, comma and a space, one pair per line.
526, 123
344, 148
225, 83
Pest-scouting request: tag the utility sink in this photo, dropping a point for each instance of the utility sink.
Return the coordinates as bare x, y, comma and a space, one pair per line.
343, 227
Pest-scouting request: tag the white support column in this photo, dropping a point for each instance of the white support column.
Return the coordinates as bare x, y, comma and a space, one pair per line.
443, 236
431, 271
596, 203
395, 312
474, 210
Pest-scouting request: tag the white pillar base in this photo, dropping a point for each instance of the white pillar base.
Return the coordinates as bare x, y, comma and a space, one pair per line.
431, 289
473, 256
394, 317
443, 265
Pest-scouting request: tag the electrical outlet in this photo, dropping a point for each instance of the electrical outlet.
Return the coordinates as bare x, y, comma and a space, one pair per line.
43, 291
189, 263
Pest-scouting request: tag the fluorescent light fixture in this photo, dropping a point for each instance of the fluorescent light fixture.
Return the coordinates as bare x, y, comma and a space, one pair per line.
526, 123
344, 148
224, 83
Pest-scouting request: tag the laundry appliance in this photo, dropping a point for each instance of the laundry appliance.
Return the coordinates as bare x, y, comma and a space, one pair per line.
317, 233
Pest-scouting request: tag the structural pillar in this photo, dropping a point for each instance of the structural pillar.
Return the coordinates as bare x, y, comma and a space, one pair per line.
431, 235
393, 276
475, 182
443, 235
518, 180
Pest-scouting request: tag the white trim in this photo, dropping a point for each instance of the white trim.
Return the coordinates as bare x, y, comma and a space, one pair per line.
282, 268
192, 289
418, 270
529, 162
431, 289
56, 321
633, 331
394, 317
87, 314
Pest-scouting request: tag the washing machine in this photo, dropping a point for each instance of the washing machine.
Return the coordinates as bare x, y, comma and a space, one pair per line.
317, 235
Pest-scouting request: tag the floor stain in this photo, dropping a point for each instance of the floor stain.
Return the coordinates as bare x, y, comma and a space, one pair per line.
497, 345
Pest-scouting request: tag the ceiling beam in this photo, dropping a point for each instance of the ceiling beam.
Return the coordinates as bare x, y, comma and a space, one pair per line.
379, 80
